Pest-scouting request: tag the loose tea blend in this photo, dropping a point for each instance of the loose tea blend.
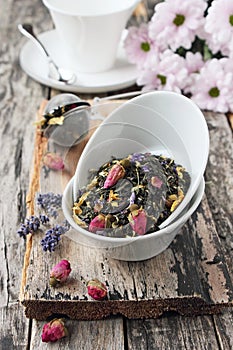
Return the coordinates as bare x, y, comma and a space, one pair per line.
131, 196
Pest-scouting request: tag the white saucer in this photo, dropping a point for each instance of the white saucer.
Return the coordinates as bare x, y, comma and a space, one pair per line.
32, 61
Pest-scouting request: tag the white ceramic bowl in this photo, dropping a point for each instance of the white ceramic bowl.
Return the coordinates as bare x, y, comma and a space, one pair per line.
132, 248
120, 139
160, 122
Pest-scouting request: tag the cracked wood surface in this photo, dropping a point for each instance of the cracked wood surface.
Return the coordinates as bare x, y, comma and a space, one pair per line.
20, 98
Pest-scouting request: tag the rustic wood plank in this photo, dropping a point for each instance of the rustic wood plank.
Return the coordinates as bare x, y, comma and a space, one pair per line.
106, 334
14, 329
190, 277
220, 193
224, 329
19, 96
16, 132
220, 184
172, 332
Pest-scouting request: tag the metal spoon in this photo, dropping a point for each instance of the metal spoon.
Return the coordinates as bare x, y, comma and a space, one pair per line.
55, 72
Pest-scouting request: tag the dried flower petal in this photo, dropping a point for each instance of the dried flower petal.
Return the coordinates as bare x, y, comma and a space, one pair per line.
113, 196
116, 173
54, 330
138, 221
79, 222
96, 289
60, 272
132, 198
56, 120
156, 182
40, 122
178, 200
53, 161
98, 206
97, 223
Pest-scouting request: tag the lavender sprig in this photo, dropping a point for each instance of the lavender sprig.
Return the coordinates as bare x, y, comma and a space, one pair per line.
50, 202
44, 219
53, 236
31, 225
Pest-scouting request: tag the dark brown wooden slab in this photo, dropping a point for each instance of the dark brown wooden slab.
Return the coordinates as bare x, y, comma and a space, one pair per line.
191, 277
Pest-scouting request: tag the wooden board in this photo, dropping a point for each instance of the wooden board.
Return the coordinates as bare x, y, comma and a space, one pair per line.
190, 277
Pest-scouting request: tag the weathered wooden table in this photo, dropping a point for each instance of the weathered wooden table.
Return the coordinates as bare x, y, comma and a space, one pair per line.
189, 285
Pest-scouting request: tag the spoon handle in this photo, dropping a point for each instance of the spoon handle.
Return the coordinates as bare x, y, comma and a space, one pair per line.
27, 30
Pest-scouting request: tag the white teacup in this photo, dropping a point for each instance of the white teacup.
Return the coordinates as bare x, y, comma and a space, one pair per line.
90, 30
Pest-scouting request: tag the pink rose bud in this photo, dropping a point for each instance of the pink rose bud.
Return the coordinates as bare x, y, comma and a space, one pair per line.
54, 330
138, 221
156, 182
98, 223
60, 273
53, 161
116, 173
96, 289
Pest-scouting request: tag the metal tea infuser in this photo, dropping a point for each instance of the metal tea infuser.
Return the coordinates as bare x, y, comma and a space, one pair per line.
66, 118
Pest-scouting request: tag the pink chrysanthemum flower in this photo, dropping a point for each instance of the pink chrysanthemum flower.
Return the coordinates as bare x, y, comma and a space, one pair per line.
219, 26
212, 88
138, 45
167, 72
194, 62
175, 22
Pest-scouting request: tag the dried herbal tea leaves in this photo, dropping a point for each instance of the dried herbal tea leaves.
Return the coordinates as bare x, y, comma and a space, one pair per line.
131, 196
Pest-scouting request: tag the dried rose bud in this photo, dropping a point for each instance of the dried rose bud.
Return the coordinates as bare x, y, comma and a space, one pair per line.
60, 273
116, 173
54, 330
98, 223
96, 289
156, 182
53, 161
138, 221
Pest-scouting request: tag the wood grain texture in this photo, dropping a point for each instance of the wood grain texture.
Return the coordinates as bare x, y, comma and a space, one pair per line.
172, 332
190, 277
100, 335
19, 96
223, 325
14, 327
220, 185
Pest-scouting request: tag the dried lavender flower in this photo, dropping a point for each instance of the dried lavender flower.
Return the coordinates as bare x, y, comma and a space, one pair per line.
23, 231
50, 202
52, 237
44, 219
30, 225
